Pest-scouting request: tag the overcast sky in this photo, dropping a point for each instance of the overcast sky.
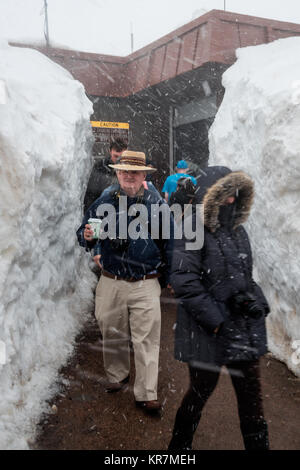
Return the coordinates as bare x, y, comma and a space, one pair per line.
104, 26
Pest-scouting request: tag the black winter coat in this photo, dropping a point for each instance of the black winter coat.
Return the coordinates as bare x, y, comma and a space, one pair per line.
204, 280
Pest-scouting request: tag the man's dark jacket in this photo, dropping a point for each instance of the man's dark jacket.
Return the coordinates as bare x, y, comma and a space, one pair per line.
205, 279
141, 256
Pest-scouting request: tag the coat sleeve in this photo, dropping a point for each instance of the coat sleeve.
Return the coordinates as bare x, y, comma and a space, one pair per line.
186, 276
165, 188
167, 252
257, 290
165, 245
90, 214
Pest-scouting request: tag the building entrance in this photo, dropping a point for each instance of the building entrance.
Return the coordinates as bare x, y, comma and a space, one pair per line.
191, 143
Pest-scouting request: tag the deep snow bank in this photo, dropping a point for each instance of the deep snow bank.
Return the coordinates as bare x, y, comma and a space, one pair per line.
257, 129
45, 150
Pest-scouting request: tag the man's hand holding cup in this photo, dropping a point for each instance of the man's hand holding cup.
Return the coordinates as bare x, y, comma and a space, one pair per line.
88, 233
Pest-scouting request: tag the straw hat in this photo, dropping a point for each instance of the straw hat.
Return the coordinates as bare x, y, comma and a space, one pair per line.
132, 161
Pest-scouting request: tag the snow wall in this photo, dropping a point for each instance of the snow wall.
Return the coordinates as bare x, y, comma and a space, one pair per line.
257, 129
45, 283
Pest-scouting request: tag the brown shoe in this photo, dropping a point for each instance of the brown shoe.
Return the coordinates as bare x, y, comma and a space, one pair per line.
151, 406
117, 386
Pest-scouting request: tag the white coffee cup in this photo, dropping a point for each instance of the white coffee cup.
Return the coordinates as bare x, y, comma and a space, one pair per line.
95, 226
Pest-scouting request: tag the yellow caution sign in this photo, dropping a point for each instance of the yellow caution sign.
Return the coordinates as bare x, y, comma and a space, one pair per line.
110, 125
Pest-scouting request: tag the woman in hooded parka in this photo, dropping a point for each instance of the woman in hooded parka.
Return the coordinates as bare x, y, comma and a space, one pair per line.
221, 310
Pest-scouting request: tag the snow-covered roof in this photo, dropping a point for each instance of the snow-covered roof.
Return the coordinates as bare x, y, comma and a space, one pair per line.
213, 37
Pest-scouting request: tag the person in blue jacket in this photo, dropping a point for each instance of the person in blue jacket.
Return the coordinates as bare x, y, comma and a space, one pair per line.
127, 305
172, 180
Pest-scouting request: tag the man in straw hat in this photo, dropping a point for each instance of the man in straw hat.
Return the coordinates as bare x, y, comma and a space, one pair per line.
127, 303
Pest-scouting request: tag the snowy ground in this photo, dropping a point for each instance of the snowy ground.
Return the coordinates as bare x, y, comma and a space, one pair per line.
257, 130
45, 148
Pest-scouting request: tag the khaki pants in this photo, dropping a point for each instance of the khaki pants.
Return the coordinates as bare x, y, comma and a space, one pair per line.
124, 311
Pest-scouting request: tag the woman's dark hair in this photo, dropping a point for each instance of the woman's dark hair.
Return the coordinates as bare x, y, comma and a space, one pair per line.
185, 192
187, 185
118, 144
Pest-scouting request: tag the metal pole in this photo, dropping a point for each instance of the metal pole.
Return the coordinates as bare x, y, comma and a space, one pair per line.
171, 140
224, 5
46, 24
131, 37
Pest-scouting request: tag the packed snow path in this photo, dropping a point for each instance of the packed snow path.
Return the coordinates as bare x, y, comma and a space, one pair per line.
83, 416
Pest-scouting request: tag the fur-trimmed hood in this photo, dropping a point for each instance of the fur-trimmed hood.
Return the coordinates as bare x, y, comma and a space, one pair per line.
233, 183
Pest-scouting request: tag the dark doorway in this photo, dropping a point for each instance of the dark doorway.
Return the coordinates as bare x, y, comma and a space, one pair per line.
191, 143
